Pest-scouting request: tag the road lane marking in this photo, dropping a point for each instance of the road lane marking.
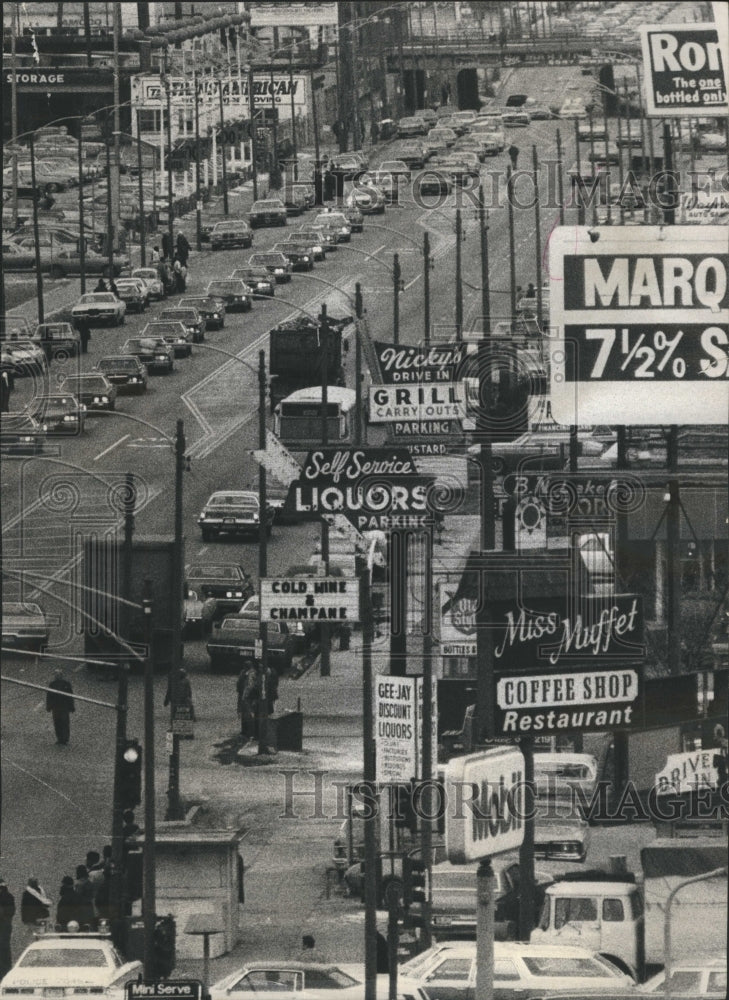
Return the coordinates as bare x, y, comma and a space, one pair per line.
416, 278
110, 448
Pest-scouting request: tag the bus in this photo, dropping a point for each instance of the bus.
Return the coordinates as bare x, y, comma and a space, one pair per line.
297, 419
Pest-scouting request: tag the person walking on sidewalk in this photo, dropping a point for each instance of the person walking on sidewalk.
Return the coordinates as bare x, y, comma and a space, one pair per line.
60, 704
183, 248
249, 695
84, 331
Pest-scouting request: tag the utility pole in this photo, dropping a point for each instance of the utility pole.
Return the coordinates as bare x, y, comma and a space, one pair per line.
254, 143
293, 114
174, 806
14, 114
428, 750
198, 195
537, 238
113, 180
140, 182
607, 158
36, 233
426, 289
109, 212
580, 199
325, 662
149, 878
275, 175
359, 312
560, 180
396, 274
459, 275
81, 226
170, 212
369, 774
512, 251
223, 147
262, 551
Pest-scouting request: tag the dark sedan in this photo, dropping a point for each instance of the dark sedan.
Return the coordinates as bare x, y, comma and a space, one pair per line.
94, 390
226, 235
234, 640
174, 333
189, 317
153, 352
20, 434
211, 308
227, 583
59, 414
124, 371
268, 212
236, 294
276, 264
256, 278
301, 255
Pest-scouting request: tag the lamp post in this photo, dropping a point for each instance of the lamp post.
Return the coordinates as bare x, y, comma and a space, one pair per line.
36, 233
396, 283
198, 195
262, 549
254, 144
149, 879
82, 237
174, 805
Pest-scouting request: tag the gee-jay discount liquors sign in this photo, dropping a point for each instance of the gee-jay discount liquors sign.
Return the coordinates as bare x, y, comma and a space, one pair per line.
640, 320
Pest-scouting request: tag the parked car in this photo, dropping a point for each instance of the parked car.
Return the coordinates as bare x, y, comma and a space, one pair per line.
100, 307
267, 212
300, 255
337, 223
704, 978
59, 413
189, 317
233, 233
276, 264
292, 979
433, 182
198, 613
58, 340
154, 352
258, 280
24, 625
21, 434
125, 371
210, 307
407, 127
227, 584
150, 275
92, 389
25, 357
234, 640
346, 165
236, 294
133, 292
295, 200
233, 512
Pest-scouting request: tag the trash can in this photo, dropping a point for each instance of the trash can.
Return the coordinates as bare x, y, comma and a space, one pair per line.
285, 731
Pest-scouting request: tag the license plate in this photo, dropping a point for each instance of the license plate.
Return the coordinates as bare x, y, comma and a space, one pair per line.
54, 991
228, 520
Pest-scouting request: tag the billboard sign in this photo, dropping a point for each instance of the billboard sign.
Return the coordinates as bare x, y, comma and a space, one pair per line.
329, 599
292, 15
148, 91
458, 626
684, 71
484, 794
179, 989
396, 729
639, 305
688, 772
437, 403
402, 364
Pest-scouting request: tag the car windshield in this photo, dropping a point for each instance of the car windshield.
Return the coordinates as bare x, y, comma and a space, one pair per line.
145, 344
53, 958
232, 227
180, 314
550, 965
145, 272
94, 297
219, 572
269, 258
235, 287
267, 206
240, 624
166, 329
114, 364
233, 500
86, 382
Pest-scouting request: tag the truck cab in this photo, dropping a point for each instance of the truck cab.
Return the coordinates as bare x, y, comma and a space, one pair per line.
605, 916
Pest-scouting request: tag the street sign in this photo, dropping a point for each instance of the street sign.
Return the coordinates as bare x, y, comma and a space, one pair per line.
331, 599
436, 405
684, 71
491, 821
183, 724
639, 306
278, 460
562, 702
168, 989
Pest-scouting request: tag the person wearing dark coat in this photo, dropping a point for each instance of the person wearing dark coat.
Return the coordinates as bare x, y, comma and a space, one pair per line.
84, 331
101, 286
85, 891
183, 248
69, 903
60, 705
7, 912
103, 897
166, 246
34, 904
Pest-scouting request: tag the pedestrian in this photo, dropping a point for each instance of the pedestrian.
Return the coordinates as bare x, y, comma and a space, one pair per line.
84, 331
309, 950
180, 274
271, 689
113, 288
103, 897
183, 248
720, 757
374, 132
85, 892
7, 912
330, 185
34, 904
166, 246
164, 276
95, 868
60, 704
4, 393
156, 255
249, 695
69, 904
531, 292
101, 286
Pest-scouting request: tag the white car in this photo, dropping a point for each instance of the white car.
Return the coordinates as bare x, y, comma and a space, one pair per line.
522, 968
70, 964
150, 276
100, 307
701, 978
294, 981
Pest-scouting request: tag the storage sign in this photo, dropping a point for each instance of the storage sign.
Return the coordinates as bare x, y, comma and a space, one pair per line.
639, 305
323, 598
685, 71
484, 795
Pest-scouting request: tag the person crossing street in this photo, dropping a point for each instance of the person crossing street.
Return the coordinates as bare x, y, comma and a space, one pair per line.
60, 704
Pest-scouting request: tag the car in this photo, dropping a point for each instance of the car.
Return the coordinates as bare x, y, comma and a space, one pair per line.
208, 224
236, 294
59, 414
438, 137
252, 609
295, 200
174, 333
478, 144
311, 239
512, 118
372, 193
100, 307
198, 613
24, 625
125, 371
433, 182
407, 127
258, 280
412, 154
452, 122
92, 389
21, 434
275, 263
58, 340
541, 449
355, 218
558, 838
457, 166
25, 357
154, 352
540, 112
189, 317
306, 188
702, 978
321, 238
133, 292
80, 962
233, 233
210, 307
337, 223
227, 584
290, 980
519, 969
150, 276
429, 116
235, 640
267, 212
573, 107
233, 512
712, 141
299, 253
398, 168
346, 165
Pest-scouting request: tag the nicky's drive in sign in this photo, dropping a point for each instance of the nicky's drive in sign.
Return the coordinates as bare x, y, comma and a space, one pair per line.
438, 363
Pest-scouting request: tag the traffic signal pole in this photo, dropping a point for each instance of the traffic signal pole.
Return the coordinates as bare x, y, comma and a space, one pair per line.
149, 898
117, 820
262, 551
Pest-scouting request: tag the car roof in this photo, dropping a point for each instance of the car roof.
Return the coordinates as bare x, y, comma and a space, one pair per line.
247, 494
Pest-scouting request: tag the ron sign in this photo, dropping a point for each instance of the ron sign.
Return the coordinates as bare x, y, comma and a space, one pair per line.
640, 305
484, 795
685, 71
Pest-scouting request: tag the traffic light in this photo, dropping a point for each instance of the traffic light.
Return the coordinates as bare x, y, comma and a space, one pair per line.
414, 881
130, 775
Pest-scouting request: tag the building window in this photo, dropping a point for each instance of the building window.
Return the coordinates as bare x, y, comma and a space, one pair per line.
150, 121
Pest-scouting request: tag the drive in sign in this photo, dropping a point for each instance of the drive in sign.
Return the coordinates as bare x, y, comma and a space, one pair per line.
640, 304
685, 71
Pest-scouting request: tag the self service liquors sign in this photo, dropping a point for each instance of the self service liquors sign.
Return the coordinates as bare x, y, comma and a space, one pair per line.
685, 71
640, 317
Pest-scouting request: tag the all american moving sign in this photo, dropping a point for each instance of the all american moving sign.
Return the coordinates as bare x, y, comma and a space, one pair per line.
640, 318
